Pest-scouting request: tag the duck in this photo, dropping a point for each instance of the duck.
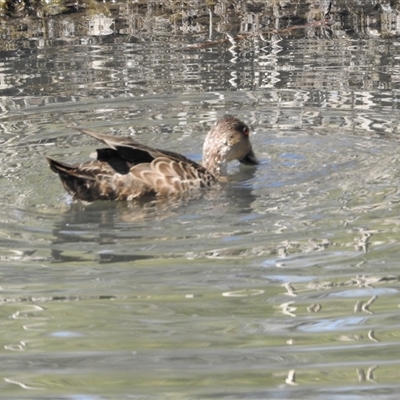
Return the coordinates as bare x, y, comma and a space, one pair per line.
128, 170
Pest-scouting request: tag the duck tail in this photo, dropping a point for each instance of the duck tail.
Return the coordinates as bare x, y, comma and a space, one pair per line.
59, 167
80, 185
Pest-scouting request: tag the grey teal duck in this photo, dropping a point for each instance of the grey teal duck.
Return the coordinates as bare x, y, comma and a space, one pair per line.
128, 170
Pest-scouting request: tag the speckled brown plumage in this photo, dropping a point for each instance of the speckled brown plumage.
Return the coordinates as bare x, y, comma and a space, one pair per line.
128, 170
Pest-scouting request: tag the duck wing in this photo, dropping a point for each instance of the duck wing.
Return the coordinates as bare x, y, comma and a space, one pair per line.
131, 151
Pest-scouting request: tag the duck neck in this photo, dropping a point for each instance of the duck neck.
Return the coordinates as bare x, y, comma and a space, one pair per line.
214, 158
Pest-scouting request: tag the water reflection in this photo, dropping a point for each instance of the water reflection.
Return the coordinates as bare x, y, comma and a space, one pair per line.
102, 230
110, 66
283, 280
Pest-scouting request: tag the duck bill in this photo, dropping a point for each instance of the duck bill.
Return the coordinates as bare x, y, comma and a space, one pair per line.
249, 159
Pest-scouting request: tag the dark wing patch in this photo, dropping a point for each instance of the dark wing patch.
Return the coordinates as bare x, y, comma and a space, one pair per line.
122, 159
112, 158
135, 155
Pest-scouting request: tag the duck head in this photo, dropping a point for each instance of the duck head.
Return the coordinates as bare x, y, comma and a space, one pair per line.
226, 141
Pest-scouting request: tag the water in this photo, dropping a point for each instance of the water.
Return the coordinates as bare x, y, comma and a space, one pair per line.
281, 284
